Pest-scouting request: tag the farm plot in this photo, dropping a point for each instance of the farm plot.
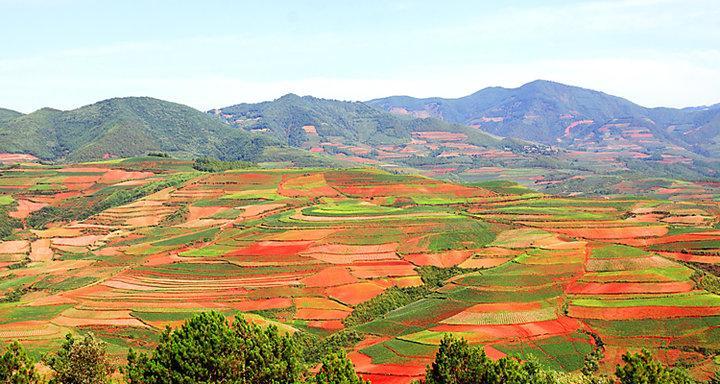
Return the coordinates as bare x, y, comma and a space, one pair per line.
305, 248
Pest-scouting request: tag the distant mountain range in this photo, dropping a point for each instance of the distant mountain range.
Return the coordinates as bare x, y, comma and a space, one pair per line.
571, 117
541, 133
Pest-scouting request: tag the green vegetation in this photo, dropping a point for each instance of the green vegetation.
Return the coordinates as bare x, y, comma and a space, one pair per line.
80, 361
177, 217
350, 207
126, 127
7, 224
207, 164
208, 349
642, 368
693, 299
387, 301
285, 117
394, 297
336, 368
458, 363
73, 282
617, 251
6, 200
16, 367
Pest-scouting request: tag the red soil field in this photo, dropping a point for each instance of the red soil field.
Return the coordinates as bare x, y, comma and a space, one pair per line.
621, 288
302, 234
505, 306
117, 175
431, 188
40, 250
256, 210
263, 304
294, 186
710, 235
613, 233
328, 325
690, 257
272, 248
372, 270
84, 180
386, 373
484, 263
195, 213
444, 260
25, 208
493, 353
353, 249
330, 277
561, 325
14, 247
320, 314
11, 158
356, 293
388, 378
634, 313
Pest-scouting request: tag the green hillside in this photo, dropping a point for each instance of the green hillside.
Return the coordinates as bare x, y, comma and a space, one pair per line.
125, 127
335, 120
8, 114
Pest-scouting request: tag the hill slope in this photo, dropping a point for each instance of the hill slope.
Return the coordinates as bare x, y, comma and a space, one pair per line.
307, 121
572, 117
8, 114
125, 127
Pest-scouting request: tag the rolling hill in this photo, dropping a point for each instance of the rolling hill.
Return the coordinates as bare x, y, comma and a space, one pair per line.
303, 121
572, 117
550, 136
125, 127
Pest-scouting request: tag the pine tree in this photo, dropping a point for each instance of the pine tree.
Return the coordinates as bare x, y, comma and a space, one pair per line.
337, 369
16, 367
80, 361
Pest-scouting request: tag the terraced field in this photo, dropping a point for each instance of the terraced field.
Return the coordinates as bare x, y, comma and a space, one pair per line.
127, 247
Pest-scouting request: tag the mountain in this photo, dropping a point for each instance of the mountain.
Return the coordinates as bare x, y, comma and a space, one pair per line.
8, 114
307, 121
572, 117
357, 129
124, 127
550, 136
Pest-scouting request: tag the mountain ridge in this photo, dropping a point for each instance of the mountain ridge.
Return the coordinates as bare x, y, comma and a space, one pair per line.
544, 111
121, 127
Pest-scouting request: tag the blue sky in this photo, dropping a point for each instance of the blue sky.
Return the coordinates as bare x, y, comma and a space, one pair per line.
68, 53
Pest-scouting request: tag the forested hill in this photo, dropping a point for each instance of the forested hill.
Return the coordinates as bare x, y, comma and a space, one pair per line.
124, 127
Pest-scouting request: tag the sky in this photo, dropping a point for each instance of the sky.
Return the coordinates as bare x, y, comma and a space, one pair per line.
212, 53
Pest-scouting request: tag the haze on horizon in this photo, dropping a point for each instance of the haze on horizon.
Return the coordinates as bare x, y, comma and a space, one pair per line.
68, 53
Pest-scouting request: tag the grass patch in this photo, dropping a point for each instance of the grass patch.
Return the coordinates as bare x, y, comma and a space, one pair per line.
617, 251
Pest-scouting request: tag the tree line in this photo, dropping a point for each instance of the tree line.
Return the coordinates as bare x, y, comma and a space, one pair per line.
210, 349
